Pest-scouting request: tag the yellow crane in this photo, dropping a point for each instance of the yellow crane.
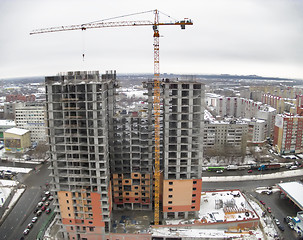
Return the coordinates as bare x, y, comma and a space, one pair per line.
156, 100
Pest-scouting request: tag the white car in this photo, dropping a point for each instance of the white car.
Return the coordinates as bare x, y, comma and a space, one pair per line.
277, 221
26, 231
34, 219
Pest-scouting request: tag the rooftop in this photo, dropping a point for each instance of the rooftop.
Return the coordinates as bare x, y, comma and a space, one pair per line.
17, 131
294, 191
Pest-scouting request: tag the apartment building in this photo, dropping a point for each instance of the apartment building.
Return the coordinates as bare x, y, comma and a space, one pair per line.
257, 129
79, 110
243, 108
132, 161
183, 121
102, 157
288, 134
221, 137
31, 116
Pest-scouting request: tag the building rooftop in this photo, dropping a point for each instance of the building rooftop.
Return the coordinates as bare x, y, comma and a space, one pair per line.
7, 123
294, 191
17, 131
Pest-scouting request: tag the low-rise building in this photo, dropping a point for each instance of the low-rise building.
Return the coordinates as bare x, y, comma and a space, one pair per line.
4, 125
17, 140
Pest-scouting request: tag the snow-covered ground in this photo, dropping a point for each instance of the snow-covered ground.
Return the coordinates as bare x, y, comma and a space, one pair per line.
233, 201
4, 193
18, 193
6, 186
15, 169
7, 183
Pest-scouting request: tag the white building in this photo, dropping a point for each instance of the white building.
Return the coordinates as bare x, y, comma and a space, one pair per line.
242, 108
31, 116
225, 135
268, 114
257, 129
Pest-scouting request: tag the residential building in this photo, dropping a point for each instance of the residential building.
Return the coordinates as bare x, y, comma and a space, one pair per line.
223, 137
288, 134
257, 129
102, 156
79, 110
183, 122
31, 116
132, 161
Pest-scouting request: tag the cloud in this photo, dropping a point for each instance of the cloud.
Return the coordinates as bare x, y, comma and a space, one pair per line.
254, 34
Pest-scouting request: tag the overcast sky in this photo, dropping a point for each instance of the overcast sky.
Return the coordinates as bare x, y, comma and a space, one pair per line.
243, 37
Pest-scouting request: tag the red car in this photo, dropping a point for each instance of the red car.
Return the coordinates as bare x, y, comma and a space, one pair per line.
263, 203
269, 209
249, 171
43, 208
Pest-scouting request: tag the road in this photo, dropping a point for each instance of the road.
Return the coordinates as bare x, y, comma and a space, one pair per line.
21, 215
280, 207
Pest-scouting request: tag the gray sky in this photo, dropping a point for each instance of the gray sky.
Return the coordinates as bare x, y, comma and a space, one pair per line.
262, 37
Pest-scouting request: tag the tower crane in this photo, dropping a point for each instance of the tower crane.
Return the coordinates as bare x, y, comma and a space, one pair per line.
156, 81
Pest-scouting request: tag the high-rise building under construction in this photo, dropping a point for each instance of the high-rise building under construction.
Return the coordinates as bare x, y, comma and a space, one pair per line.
102, 159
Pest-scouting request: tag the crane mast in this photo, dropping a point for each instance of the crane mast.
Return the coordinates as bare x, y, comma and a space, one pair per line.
156, 105
156, 81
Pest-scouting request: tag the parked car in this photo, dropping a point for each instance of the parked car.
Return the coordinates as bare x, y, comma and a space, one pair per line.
277, 221
46, 203
36, 210
26, 231
50, 198
250, 171
281, 227
44, 199
34, 219
47, 194
48, 210
39, 213
291, 225
43, 208
30, 225
40, 204
263, 203
269, 209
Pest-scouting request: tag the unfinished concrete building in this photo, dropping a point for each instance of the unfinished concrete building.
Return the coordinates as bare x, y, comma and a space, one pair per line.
182, 130
131, 161
102, 158
79, 108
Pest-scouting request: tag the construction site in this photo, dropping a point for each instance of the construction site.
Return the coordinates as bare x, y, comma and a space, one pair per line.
103, 157
119, 173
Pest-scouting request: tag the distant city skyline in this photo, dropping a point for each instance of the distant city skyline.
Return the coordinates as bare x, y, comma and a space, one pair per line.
240, 37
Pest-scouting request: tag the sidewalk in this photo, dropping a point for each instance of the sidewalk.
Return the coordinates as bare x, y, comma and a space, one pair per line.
284, 174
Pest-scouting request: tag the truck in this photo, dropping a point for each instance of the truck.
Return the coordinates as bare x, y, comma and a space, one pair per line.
232, 167
269, 167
